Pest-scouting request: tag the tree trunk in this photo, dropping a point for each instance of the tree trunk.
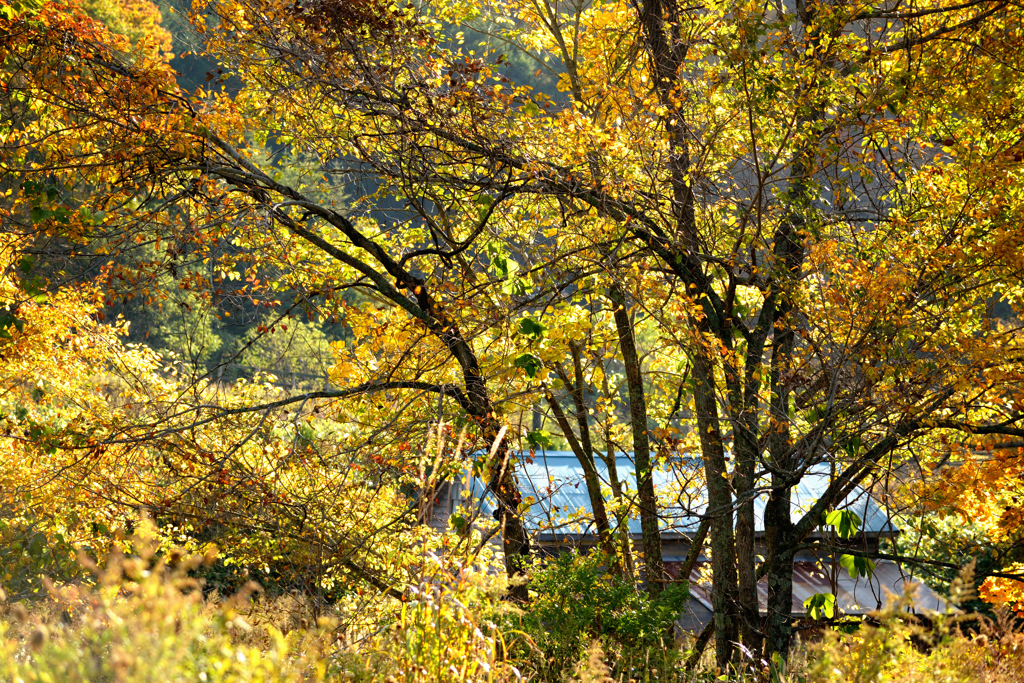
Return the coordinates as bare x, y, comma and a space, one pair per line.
779, 538
621, 503
515, 541
621, 514
749, 613
502, 481
650, 530
720, 502
745, 406
742, 405
779, 533
585, 455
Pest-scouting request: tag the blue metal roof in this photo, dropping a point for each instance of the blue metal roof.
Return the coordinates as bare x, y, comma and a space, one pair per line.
555, 486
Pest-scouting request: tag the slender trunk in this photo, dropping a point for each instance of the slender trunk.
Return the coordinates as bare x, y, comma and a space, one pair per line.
742, 413
621, 514
585, 455
743, 480
780, 555
502, 481
515, 541
779, 537
650, 530
779, 532
789, 254
621, 503
583, 420
745, 410
720, 504
778, 521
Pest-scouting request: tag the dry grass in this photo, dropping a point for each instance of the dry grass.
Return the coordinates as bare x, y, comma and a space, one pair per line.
144, 619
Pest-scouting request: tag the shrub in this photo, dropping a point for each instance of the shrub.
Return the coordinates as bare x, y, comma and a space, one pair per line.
578, 602
442, 633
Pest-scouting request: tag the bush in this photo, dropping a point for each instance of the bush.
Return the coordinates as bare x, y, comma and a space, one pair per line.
577, 602
145, 618
441, 634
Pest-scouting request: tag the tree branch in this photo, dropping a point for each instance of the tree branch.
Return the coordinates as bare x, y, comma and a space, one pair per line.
367, 387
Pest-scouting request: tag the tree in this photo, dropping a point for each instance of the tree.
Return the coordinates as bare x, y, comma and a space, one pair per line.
137, 20
969, 504
64, 377
172, 172
95, 429
780, 171
779, 168
783, 202
814, 206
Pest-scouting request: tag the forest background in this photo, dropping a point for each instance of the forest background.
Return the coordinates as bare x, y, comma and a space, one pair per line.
274, 271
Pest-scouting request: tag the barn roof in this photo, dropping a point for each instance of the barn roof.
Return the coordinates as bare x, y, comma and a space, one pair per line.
554, 484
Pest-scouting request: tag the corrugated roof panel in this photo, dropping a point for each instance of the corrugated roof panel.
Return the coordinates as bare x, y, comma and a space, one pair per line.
887, 582
853, 596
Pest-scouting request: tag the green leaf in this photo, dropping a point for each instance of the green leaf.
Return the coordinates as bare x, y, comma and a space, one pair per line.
483, 205
61, 215
531, 328
38, 214
514, 286
820, 604
539, 439
846, 522
459, 524
26, 263
847, 627
503, 266
814, 414
856, 565
8, 320
853, 446
529, 363
34, 287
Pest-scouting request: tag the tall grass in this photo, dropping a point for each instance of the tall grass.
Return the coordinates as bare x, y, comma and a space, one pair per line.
943, 647
441, 633
145, 618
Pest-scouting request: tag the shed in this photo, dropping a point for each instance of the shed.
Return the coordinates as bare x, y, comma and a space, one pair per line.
560, 519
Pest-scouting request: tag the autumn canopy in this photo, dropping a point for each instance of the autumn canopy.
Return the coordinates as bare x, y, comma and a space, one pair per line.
277, 289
